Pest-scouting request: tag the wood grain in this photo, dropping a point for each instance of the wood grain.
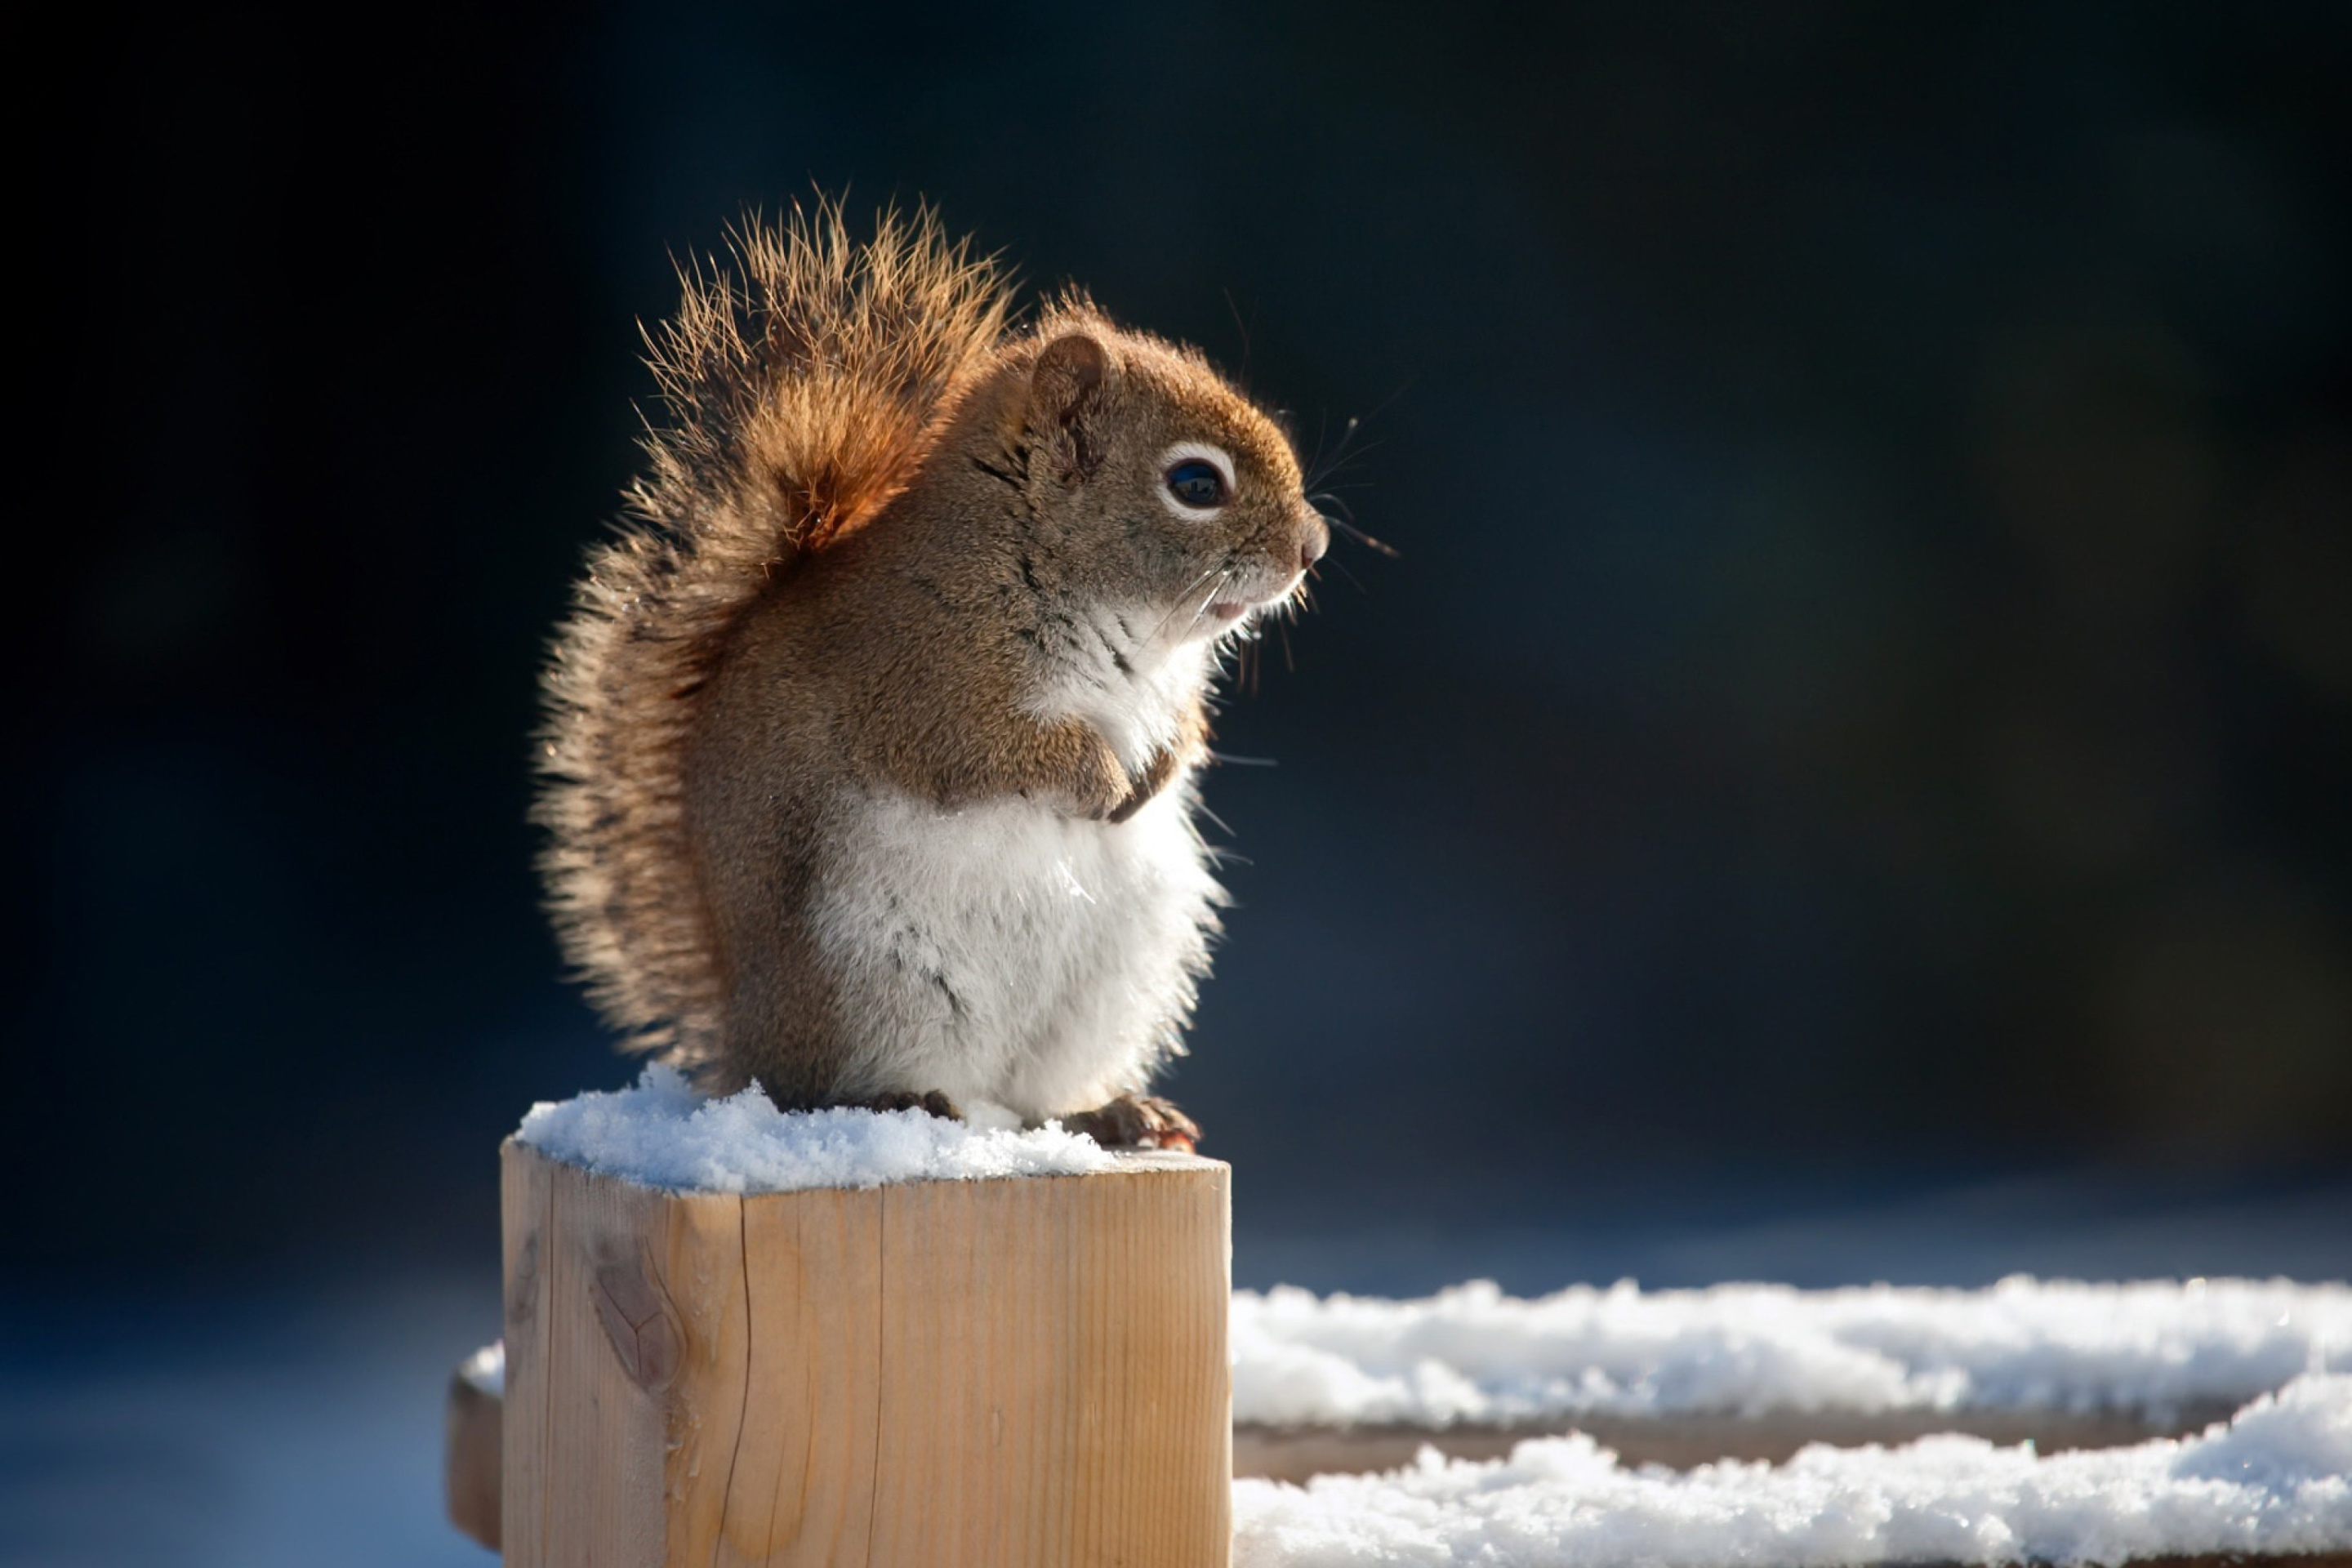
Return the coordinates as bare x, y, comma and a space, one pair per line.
1025, 1372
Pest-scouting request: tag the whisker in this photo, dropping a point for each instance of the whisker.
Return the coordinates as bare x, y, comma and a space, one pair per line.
1342, 525
1181, 594
1341, 568
1209, 598
1242, 327
1348, 451
1323, 468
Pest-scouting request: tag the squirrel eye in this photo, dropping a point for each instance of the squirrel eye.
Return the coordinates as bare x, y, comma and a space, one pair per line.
1197, 484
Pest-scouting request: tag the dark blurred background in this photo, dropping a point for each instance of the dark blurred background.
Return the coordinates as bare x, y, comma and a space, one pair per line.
1853, 760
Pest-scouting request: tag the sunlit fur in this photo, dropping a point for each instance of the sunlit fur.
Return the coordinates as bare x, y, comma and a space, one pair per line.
800, 392
897, 639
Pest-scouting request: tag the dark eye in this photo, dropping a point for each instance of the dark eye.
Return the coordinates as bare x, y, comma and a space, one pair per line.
1197, 484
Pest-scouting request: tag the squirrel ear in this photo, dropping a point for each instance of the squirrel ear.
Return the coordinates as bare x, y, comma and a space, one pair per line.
1064, 387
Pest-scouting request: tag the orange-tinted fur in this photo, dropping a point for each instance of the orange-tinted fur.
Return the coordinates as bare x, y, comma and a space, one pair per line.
840, 577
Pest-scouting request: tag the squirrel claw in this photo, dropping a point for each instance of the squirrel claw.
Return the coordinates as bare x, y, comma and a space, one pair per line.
937, 1104
1138, 1121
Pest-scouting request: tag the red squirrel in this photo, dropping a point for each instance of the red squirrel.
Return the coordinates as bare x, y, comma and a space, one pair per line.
872, 738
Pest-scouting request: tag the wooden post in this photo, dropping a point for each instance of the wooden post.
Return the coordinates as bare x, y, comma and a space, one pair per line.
472, 1467
1027, 1372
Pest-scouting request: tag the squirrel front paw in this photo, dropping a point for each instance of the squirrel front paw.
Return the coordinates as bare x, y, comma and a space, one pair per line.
932, 1101
1154, 778
1137, 1122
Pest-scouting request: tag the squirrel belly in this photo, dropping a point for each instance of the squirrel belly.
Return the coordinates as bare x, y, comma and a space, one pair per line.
1004, 953
872, 737
1006, 950
903, 905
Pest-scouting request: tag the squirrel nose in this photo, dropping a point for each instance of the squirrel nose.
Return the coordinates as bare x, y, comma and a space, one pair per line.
1317, 539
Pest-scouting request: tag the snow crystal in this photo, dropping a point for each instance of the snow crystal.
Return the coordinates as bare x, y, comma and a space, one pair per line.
660, 1133
2274, 1480
1471, 1353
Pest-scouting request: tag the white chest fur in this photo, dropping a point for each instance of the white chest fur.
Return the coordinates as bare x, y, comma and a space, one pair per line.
1127, 671
1005, 953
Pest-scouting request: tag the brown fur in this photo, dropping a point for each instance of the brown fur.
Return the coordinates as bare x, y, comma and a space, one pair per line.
839, 574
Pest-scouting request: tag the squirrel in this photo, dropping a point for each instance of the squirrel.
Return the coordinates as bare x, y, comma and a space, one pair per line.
871, 742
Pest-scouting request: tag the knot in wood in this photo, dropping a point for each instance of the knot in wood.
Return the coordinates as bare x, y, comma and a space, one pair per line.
639, 1322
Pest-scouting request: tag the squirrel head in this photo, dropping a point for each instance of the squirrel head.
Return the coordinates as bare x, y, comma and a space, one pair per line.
1150, 483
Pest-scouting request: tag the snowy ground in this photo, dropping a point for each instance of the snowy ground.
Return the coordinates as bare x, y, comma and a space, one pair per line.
1473, 1354
299, 1425
2277, 1478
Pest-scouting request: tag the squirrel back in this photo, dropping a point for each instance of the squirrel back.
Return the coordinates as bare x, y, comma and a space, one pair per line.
710, 685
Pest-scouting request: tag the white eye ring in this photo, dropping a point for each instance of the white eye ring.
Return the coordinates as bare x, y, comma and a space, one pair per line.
1195, 452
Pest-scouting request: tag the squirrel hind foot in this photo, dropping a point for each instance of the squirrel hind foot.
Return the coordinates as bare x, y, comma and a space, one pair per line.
932, 1100
1138, 1121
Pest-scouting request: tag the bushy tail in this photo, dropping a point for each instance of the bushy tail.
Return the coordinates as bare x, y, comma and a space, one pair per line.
800, 387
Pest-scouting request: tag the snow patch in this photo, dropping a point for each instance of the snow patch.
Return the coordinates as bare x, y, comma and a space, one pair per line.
1471, 1353
660, 1133
2274, 1479
486, 1369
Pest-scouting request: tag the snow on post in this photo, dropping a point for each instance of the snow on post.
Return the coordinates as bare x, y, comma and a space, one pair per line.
734, 1335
